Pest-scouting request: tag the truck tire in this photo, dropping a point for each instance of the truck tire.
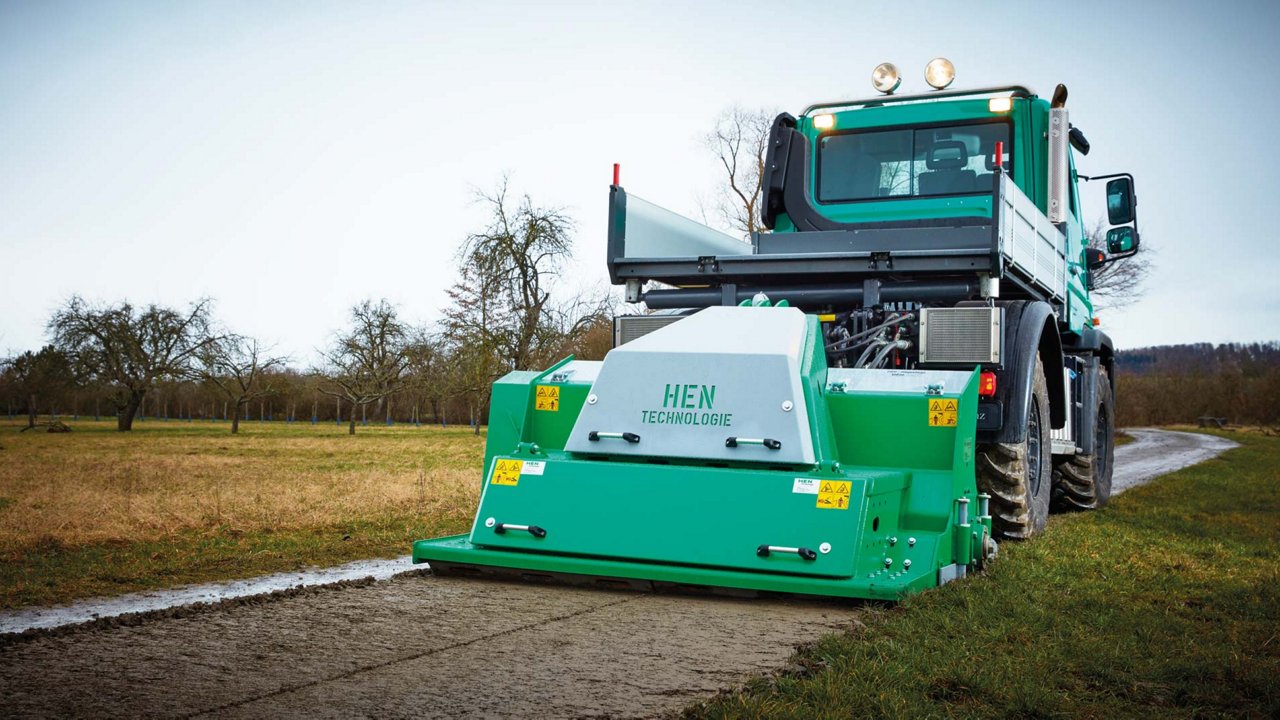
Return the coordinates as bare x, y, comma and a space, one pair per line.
1083, 482
1017, 476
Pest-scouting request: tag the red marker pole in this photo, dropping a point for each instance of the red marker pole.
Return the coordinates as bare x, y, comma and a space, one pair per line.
617, 173
999, 155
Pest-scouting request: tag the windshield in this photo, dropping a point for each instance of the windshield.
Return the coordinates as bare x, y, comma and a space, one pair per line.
909, 162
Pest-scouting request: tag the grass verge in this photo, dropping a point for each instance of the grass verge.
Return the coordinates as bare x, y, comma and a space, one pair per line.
1166, 604
96, 512
52, 573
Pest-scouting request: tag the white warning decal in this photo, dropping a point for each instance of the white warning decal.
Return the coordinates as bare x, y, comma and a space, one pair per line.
807, 486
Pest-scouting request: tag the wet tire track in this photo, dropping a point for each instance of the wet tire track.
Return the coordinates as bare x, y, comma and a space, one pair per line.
408, 658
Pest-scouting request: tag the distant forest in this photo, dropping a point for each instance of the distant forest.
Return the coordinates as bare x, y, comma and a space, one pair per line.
1164, 385
1179, 383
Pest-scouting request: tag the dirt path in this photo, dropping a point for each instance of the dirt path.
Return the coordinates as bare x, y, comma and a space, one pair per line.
417, 646
426, 647
1158, 452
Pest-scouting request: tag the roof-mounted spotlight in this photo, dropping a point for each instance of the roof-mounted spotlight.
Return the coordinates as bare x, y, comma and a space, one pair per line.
886, 78
939, 73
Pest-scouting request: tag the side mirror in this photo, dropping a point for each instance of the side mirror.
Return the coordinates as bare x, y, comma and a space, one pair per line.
1120, 201
1121, 240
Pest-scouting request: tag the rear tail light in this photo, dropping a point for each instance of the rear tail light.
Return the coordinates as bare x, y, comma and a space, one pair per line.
987, 384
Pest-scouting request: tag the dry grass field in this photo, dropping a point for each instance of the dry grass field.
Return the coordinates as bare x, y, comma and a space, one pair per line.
99, 512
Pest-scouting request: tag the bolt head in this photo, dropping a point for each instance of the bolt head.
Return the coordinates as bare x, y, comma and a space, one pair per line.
787, 405
911, 542
888, 562
592, 399
906, 563
490, 522
824, 548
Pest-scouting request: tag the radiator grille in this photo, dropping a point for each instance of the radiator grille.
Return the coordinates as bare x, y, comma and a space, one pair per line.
960, 335
629, 327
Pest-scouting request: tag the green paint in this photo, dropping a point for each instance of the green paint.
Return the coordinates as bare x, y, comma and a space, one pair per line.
689, 397
679, 398
680, 417
701, 522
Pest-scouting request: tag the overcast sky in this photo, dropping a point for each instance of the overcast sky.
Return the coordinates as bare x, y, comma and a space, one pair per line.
292, 158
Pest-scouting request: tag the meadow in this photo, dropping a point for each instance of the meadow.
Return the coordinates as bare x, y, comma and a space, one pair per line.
98, 512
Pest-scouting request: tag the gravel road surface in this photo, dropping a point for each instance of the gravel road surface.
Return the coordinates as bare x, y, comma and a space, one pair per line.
420, 646
1158, 452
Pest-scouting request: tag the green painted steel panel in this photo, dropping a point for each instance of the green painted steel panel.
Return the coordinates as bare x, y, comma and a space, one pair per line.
884, 583
550, 428
892, 430
909, 114
701, 522
888, 430
902, 209
813, 370
671, 513
509, 404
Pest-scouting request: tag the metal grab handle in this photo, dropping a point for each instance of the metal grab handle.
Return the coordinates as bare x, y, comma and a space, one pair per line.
770, 443
533, 530
804, 553
597, 435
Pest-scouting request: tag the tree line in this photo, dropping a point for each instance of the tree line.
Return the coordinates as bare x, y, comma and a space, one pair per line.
1180, 383
507, 312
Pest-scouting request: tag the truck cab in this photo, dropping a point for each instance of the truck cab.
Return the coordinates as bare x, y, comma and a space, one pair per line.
900, 159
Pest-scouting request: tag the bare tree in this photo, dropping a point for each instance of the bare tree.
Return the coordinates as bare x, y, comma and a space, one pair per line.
739, 140
472, 369
238, 367
585, 325
130, 350
1117, 283
503, 315
503, 297
368, 362
472, 336
427, 369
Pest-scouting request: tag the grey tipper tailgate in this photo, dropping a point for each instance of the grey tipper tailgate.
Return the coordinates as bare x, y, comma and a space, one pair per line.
724, 372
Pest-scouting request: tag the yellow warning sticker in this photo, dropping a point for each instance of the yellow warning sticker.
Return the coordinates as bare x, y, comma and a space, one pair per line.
547, 398
507, 472
943, 412
834, 495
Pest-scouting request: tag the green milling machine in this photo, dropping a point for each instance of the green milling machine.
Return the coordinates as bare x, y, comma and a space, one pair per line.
859, 403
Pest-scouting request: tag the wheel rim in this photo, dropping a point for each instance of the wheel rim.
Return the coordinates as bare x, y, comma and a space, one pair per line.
1033, 449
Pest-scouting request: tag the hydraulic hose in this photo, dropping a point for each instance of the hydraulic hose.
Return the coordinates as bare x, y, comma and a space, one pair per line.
870, 349
854, 340
888, 348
